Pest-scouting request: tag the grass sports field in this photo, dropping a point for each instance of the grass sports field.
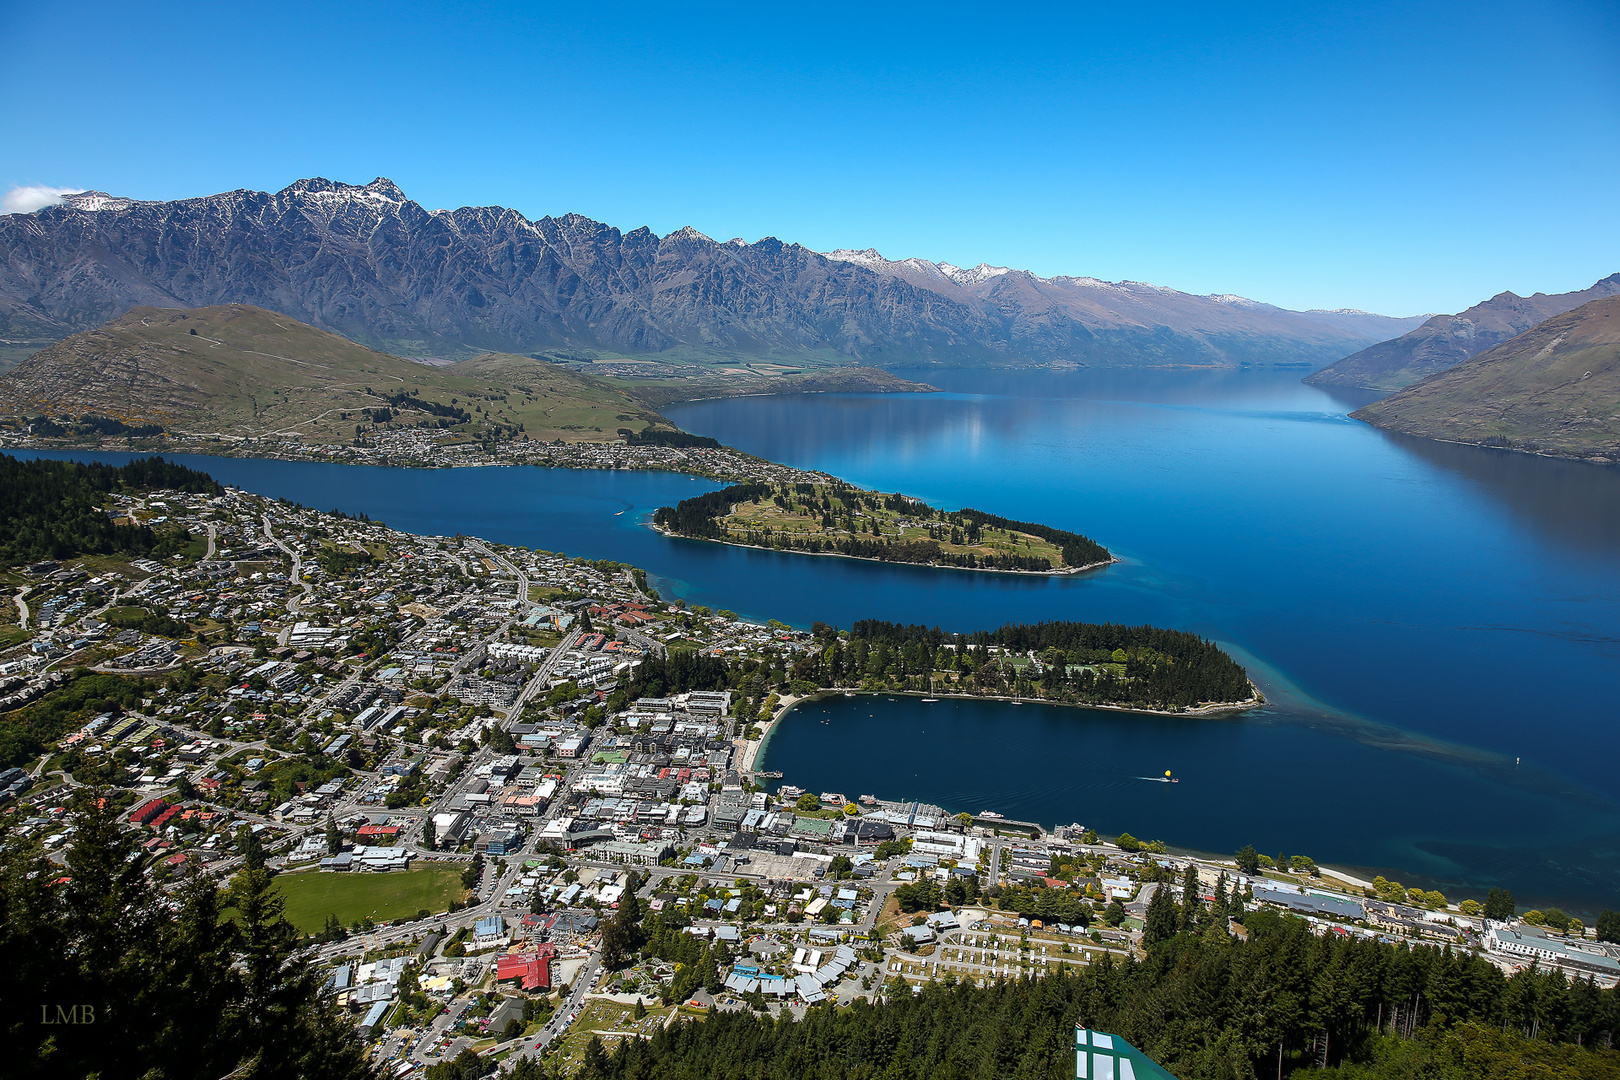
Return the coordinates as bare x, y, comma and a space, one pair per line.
312, 895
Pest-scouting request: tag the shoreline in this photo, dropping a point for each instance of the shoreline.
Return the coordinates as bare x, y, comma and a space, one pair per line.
1212, 709
1065, 572
1597, 457
737, 467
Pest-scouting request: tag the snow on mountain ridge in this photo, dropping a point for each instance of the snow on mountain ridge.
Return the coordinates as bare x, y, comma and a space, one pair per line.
93, 201
874, 260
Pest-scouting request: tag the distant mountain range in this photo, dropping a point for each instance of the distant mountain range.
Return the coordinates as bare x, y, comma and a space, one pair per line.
369, 264
1447, 340
1554, 389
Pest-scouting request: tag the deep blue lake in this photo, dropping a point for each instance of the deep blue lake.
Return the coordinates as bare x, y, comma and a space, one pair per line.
1419, 614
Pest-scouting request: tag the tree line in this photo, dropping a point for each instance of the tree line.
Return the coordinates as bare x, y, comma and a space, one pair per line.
206, 983
1204, 1003
55, 509
679, 440
1080, 663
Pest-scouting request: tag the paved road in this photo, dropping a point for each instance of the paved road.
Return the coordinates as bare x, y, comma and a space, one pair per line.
543, 675
511, 568
297, 570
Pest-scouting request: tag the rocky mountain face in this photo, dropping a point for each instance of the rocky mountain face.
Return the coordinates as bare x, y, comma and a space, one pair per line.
370, 264
1447, 340
1554, 389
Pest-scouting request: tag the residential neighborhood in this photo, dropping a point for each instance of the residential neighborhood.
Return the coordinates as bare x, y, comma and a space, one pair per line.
454, 759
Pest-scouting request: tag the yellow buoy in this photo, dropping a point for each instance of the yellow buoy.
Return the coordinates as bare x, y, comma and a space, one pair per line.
1167, 772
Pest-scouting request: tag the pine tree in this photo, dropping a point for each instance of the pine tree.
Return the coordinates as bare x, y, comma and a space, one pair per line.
1248, 860
1162, 919
252, 848
176, 988
334, 841
1191, 903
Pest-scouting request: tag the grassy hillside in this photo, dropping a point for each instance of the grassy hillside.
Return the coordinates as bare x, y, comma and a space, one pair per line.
1554, 389
242, 371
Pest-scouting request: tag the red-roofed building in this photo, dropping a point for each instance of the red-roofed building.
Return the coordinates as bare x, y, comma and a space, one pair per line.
162, 819
377, 830
147, 811
533, 968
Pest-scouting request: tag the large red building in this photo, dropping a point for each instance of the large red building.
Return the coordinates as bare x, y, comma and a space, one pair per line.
533, 968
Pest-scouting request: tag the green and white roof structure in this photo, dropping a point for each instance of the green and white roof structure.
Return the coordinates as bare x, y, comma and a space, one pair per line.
1108, 1057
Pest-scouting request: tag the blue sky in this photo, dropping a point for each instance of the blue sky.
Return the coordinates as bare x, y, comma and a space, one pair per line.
1401, 158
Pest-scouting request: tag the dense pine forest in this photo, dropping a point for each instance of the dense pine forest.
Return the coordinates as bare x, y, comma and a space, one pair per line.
55, 509
844, 514
1077, 663
1204, 1003
134, 984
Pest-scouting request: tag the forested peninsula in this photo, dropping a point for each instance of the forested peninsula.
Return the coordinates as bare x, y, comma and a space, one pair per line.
839, 519
1141, 668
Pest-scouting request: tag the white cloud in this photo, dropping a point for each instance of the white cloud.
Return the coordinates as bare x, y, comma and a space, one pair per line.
26, 198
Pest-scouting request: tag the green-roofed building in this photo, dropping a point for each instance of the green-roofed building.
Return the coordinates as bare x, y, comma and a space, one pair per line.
1108, 1057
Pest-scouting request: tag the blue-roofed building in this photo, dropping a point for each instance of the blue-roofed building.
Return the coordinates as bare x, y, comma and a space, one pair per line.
489, 928
372, 1018
1099, 1056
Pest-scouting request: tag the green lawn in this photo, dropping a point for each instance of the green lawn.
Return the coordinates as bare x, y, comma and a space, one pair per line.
311, 896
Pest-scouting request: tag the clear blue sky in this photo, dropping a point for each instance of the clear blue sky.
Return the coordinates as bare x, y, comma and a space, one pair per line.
1400, 157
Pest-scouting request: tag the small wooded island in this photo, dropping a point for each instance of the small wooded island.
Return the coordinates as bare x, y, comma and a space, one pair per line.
839, 519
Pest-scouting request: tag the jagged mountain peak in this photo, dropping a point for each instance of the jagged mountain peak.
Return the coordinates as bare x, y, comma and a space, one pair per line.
364, 261
380, 188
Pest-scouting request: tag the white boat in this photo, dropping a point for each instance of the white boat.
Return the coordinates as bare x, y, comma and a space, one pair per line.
930, 700
991, 814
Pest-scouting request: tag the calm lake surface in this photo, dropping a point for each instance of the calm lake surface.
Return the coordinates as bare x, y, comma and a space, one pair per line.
1420, 615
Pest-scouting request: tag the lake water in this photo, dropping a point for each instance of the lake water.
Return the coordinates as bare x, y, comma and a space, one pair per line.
1419, 614
1387, 592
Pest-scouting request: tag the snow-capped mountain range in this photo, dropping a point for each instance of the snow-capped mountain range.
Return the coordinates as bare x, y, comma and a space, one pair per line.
367, 262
